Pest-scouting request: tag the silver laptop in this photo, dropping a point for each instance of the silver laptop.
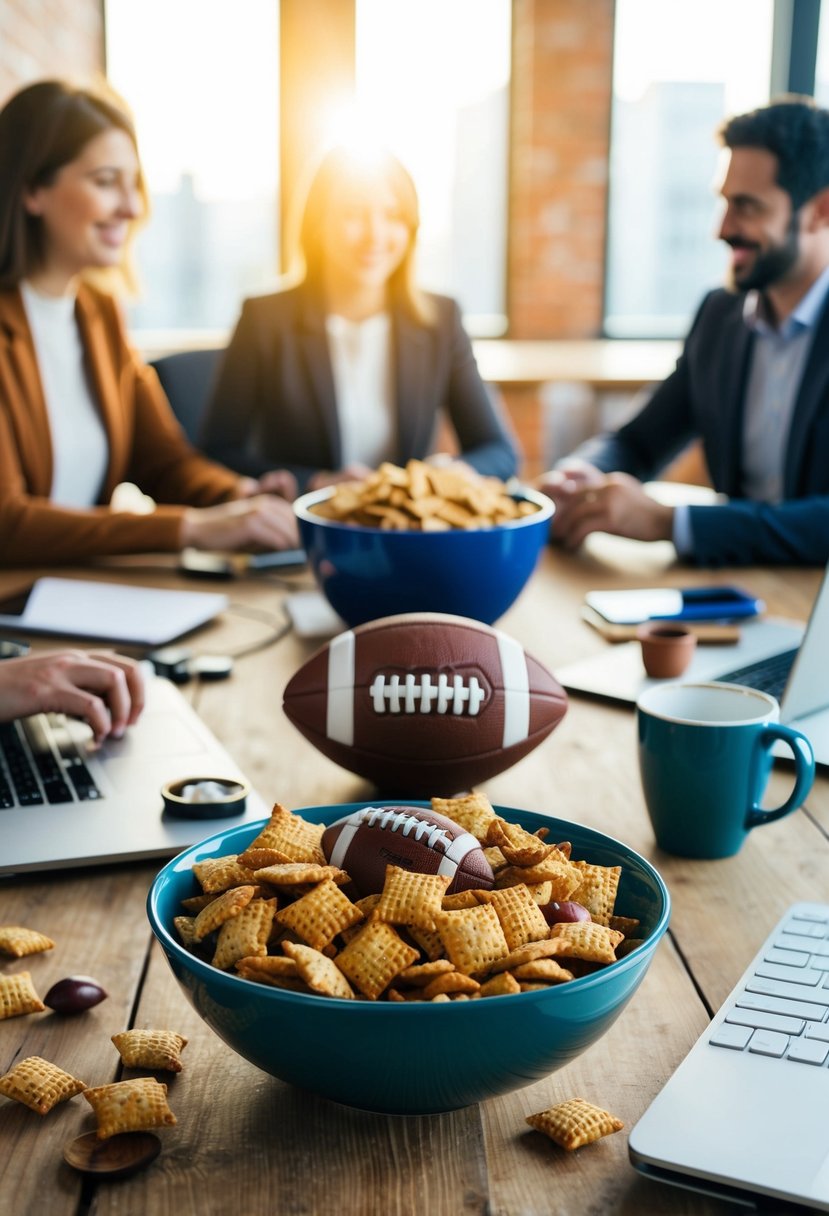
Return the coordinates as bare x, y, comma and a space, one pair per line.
777, 656
63, 803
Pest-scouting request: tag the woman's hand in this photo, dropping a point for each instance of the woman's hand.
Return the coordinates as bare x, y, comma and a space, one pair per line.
261, 522
104, 689
280, 482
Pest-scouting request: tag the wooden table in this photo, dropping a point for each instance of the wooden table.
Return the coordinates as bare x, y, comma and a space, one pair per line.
246, 1142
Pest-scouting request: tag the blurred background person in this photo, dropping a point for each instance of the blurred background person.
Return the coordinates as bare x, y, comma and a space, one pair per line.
79, 412
354, 364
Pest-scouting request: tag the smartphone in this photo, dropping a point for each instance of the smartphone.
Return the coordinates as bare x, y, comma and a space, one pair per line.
665, 603
199, 563
277, 559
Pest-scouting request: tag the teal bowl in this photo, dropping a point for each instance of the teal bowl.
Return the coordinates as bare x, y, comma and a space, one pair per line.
367, 573
413, 1059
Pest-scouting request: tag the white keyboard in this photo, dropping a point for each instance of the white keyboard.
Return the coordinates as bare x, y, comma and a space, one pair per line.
746, 1111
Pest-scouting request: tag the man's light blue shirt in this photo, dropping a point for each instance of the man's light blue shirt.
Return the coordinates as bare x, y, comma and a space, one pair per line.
778, 360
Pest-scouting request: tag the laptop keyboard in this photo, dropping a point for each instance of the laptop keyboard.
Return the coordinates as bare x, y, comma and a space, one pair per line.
40, 763
766, 675
781, 1005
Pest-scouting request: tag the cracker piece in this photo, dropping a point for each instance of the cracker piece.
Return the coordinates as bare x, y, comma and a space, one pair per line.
429, 941
374, 958
18, 996
461, 899
410, 898
574, 1123
257, 859
525, 954
185, 927
433, 524
598, 888
229, 904
555, 869
150, 1049
520, 847
39, 1084
194, 903
625, 924
130, 1106
318, 972
542, 892
565, 848
441, 997
544, 971
473, 812
18, 942
276, 970
452, 983
300, 874
320, 915
245, 935
218, 874
586, 940
292, 835
503, 984
473, 938
422, 974
521, 918
495, 858
419, 484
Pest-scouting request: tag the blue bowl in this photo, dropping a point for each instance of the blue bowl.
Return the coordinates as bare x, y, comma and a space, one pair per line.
360, 1052
367, 573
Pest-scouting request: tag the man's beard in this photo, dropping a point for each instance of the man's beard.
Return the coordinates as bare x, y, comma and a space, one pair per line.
768, 267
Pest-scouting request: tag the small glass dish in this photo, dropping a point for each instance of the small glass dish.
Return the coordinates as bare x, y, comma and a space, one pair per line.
205, 797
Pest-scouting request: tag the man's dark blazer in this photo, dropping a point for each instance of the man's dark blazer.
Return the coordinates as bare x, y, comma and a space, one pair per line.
705, 397
274, 403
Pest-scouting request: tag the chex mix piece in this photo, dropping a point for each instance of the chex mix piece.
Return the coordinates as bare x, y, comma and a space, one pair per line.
280, 914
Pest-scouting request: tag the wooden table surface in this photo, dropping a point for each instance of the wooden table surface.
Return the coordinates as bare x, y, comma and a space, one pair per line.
246, 1142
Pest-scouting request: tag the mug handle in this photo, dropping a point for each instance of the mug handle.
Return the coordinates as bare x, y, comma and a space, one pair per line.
804, 759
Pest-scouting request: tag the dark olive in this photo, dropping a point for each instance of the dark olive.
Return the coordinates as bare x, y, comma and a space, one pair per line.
74, 994
556, 913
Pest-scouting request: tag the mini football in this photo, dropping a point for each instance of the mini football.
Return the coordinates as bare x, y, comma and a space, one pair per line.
424, 704
366, 841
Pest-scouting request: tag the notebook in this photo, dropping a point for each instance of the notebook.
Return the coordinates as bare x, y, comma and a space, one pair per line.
110, 612
744, 1114
116, 812
618, 674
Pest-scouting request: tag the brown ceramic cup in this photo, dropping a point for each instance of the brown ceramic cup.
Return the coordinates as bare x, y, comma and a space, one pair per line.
667, 649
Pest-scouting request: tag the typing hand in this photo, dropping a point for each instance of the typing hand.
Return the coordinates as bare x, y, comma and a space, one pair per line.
261, 522
104, 689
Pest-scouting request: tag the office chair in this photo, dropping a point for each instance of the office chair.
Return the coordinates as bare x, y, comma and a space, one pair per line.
187, 378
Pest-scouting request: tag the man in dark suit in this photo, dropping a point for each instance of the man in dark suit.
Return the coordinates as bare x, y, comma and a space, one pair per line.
753, 379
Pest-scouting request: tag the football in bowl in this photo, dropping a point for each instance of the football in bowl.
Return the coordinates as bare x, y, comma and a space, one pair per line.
424, 702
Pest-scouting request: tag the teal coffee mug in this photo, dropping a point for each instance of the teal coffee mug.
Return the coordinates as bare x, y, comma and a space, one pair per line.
705, 755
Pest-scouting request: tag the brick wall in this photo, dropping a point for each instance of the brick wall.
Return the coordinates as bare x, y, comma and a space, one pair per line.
49, 38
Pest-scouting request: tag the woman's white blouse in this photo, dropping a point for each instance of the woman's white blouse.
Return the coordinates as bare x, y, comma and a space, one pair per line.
361, 360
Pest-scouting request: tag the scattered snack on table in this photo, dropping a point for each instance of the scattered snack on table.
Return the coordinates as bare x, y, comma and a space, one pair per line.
425, 498
74, 994
427, 702
412, 940
150, 1049
130, 1106
19, 942
574, 1123
18, 996
39, 1084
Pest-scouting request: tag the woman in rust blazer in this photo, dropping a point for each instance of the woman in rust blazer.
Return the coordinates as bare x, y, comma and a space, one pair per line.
70, 193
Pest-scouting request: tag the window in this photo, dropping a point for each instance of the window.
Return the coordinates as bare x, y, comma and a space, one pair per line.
679, 69
434, 77
201, 77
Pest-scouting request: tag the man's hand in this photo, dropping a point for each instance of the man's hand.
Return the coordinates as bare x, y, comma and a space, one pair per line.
104, 689
280, 482
588, 500
261, 522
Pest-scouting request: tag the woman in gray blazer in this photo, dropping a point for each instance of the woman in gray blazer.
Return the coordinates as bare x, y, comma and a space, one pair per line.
353, 364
